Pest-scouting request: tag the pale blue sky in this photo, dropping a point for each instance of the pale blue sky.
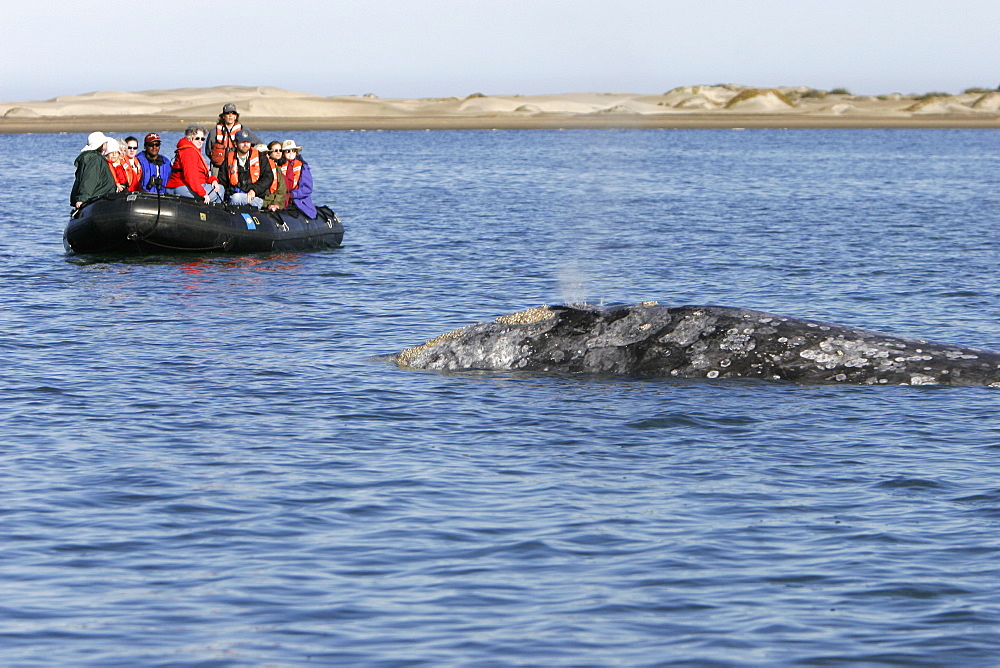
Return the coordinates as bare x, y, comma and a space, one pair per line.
427, 48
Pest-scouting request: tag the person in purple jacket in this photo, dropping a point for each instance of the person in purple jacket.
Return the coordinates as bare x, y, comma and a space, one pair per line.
298, 178
155, 168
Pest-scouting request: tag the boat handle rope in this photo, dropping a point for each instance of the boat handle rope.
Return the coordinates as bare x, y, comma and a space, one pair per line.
134, 234
188, 248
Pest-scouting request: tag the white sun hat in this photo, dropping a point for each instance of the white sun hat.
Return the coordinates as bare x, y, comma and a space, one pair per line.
95, 141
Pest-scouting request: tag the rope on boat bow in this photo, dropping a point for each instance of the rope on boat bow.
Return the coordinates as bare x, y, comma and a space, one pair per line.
134, 234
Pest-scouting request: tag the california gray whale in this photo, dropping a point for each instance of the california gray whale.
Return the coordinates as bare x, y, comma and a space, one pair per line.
699, 342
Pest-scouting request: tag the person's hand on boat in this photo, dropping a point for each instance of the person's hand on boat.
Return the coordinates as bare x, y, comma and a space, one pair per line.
120, 187
216, 187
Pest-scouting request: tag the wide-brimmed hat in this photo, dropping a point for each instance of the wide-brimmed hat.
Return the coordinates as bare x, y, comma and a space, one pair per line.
230, 108
111, 146
290, 144
95, 140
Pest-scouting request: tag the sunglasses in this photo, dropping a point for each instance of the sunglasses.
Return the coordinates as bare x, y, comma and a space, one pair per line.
132, 148
290, 150
198, 139
152, 143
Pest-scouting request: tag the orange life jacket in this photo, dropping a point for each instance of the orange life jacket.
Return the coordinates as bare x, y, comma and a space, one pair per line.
293, 176
118, 170
253, 162
133, 173
278, 171
224, 142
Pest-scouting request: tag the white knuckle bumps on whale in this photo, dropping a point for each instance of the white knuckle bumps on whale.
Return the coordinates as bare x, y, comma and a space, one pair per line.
699, 342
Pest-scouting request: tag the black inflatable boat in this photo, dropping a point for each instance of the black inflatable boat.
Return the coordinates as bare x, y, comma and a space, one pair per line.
141, 223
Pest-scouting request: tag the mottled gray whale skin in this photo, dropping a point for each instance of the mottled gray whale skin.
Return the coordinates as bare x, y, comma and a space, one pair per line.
699, 342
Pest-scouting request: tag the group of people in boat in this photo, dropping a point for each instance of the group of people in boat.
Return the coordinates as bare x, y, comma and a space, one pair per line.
230, 164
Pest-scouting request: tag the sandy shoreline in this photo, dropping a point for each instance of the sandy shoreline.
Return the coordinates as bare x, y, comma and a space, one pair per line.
87, 124
729, 106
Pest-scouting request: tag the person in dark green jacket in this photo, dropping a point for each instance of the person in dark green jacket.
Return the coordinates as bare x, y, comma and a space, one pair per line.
93, 174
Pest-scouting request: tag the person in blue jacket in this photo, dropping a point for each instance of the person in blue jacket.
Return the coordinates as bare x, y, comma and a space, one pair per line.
298, 179
155, 168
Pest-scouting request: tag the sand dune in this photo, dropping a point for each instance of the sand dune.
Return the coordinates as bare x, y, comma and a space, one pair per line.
727, 105
760, 101
987, 102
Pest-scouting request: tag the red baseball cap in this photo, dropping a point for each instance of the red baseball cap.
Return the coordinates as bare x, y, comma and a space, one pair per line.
151, 137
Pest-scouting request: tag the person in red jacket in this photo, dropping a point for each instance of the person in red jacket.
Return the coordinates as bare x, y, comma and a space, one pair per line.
113, 155
190, 176
133, 170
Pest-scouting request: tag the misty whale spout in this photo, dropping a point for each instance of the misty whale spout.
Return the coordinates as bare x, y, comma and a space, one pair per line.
699, 342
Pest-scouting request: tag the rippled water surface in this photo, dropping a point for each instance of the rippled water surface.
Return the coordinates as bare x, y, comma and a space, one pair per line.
200, 466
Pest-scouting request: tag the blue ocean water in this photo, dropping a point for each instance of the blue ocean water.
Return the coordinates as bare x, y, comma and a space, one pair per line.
200, 466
